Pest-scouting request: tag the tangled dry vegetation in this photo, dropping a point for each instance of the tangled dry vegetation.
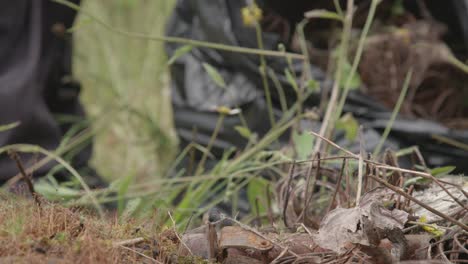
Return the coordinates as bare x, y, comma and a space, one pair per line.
330, 209
315, 215
323, 219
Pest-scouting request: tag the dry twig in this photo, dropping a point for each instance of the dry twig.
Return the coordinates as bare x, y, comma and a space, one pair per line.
141, 254
379, 165
288, 192
338, 185
308, 189
14, 156
177, 234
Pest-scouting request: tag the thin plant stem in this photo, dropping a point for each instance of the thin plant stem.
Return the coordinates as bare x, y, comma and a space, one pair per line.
218, 126
265, 141
338, 8
307, 70
303, 45
395, 112
174, 226
457, 63
348, 21
141, 254
185, 41
357, 57
450, 142
26, 177
288, 61
360, 166
338, 185
263, 73
280, 90
288, 193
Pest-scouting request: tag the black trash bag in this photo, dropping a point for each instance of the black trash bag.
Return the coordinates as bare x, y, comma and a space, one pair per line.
412, 132
195, 95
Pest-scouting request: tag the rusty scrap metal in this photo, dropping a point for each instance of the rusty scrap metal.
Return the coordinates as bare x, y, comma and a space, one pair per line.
239, 238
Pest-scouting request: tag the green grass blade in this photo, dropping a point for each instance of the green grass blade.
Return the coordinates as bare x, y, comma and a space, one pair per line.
395, 112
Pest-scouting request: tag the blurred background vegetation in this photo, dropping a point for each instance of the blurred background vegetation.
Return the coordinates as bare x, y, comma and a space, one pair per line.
130, 75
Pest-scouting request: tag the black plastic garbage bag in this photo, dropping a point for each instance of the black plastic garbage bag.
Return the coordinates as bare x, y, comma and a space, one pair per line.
195, 95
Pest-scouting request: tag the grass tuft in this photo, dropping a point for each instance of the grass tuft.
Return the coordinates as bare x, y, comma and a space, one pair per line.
52, 233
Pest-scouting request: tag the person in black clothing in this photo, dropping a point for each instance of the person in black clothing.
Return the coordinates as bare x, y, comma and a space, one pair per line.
36, 82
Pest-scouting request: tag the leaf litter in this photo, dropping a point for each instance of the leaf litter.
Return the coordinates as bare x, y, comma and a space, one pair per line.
384, 227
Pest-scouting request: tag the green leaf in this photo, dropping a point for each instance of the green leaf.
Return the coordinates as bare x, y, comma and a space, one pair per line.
312, 85
304, 144
56, 193
9, 126
349, 125
256, 189
215, 75
324, 14
244, 131
436, 172
415, 180
124, 184
179, 53
291, 80
442, 171
132, 208
355, 81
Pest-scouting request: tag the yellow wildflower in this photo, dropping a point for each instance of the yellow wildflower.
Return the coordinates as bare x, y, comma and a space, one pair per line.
251, 14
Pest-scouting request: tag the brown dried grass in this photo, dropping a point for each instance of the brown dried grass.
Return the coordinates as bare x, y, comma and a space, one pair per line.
54, 234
